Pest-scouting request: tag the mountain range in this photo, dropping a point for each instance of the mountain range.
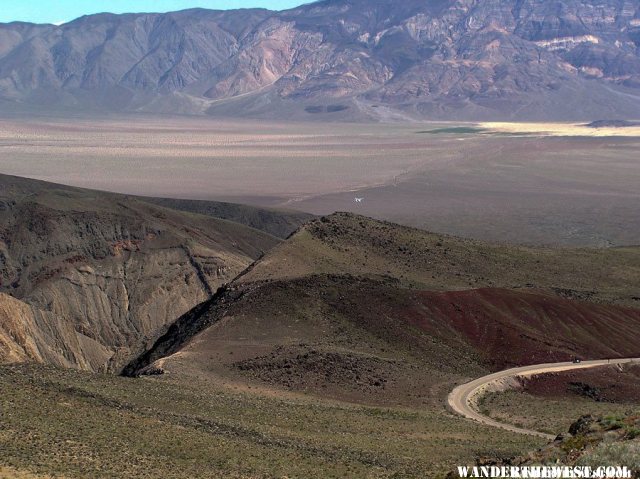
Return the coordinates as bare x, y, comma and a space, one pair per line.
337, 59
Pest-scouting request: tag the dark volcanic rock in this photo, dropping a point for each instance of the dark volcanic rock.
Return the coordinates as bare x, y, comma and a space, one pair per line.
299, 367
568, 59
582, 425
586, 390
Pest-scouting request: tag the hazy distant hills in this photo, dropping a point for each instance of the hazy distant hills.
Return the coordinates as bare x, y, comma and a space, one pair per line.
352, 59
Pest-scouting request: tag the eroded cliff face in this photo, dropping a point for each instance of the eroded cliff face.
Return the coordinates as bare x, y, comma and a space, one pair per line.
28, 334
437, 58
99, 277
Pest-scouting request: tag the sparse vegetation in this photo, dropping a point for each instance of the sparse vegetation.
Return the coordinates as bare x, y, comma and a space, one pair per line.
589, 441
347, 243
549, 414
74, 424
613, 454
575, 444
330, 357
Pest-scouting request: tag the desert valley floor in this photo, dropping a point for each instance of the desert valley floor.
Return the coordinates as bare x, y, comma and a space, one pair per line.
530, 183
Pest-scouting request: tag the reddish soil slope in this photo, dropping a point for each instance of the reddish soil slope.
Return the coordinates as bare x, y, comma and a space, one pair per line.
362, 339
610, 384
513, 327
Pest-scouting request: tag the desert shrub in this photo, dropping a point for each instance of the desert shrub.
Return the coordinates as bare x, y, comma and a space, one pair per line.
632, 433
626, 453
613, 422
576, 443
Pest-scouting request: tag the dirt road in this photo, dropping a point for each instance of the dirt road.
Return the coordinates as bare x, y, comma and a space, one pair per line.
464, 398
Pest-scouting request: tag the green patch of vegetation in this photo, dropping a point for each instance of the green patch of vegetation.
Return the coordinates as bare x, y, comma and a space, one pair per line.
576, 443
632, 432
457, 130
613, 422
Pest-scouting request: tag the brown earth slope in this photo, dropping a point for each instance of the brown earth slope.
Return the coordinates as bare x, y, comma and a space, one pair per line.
359, 309
99, 276
345, 243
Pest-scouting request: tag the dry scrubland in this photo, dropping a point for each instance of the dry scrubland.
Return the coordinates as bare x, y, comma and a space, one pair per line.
528, 183
336, 313
351, 381
331, 357
73, 424
550, 415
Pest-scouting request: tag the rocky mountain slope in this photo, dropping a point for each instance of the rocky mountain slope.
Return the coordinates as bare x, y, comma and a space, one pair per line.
90, 279
369, 311
276, 222
347, 59
384, 317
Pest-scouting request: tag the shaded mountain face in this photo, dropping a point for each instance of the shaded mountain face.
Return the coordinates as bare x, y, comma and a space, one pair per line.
90, 279
570, 59
277, 222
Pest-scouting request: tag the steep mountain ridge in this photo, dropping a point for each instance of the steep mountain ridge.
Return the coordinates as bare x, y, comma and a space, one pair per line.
347, 59
97, 277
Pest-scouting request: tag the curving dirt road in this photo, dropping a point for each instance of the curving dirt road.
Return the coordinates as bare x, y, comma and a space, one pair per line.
463, 399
